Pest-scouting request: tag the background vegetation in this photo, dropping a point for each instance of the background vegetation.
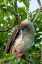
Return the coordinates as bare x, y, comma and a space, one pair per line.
11, 15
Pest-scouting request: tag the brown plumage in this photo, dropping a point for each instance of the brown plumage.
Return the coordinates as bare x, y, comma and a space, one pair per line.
12, 39
17, 42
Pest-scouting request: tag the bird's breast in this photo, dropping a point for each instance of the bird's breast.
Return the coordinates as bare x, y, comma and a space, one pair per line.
21, 45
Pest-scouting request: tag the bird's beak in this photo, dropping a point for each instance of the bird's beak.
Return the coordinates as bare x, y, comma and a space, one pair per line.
23, 32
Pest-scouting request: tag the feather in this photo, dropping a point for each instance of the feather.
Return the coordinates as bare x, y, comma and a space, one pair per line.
12, 39
22, 38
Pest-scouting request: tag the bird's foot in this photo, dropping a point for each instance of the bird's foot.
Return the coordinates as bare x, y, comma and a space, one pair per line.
19, 54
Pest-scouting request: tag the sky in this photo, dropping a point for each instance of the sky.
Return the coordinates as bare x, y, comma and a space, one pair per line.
33, 5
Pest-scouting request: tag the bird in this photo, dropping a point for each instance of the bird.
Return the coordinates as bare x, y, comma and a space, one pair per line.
21, 39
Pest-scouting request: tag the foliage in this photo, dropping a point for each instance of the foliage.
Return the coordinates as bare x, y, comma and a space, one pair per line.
7, 19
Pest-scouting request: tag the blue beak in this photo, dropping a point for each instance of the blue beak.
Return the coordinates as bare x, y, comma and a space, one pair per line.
23, 33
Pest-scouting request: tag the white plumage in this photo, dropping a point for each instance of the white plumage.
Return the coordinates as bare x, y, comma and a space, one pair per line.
23, 44
22, 38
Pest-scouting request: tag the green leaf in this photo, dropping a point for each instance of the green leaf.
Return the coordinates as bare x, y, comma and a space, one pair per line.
26, 2
1, 1
12, 1
10, 9
7, 1
7, 56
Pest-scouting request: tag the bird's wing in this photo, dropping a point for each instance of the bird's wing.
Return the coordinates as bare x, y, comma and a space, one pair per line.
12, 39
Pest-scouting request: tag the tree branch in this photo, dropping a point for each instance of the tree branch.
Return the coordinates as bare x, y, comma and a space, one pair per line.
16, 11
16, 15
39, 2
28, 59
38, 12
36, 17
32, 12
8, 28
23, 57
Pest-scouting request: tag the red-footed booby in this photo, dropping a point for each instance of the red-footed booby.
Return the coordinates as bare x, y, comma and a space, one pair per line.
21, 39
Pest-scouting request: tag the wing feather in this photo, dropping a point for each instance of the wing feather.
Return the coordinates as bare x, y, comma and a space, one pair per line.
12, 39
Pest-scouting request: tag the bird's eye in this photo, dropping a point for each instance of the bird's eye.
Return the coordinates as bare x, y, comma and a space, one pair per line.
23, 28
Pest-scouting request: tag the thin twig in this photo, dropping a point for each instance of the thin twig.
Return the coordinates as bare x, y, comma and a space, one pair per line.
8, 28
36, 17
38, 12
28, 59
16, 15
16, 11
23, 57
32, 12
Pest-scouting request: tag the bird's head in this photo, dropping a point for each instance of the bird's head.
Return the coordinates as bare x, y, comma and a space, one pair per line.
26, 26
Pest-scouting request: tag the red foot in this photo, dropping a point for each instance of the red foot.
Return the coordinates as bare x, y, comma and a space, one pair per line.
19, 54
